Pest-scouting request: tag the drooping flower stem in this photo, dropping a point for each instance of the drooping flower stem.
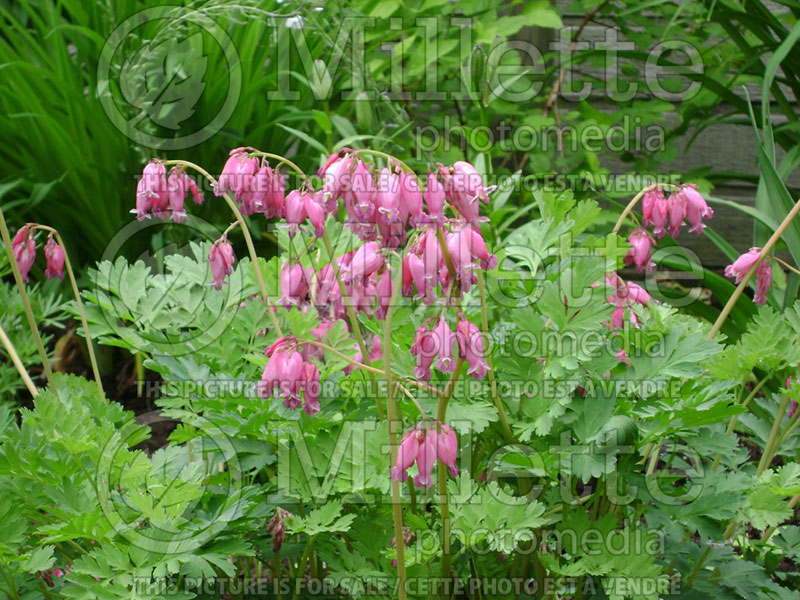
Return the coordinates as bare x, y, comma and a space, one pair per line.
283, 160
746, 279
248, 240
785, 264
79, 304
487, 354
26, 305
632, 204
394, 421
351, 315
18, 363
389, 158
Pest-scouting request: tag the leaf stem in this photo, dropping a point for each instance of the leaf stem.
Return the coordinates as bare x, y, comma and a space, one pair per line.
26, 305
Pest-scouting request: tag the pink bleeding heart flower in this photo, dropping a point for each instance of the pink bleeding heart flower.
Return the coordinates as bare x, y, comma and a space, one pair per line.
366, 260
434, 261
360, 196
426, 458
648, 203
24, 249
763, 281
275, 199
295, 211
316, 213
660, 216
387, 195
425, 348
468, 184
417, 270
624, 297
696, 208
238, 174
638, 294
294, 284
742, 265
221, 260
459, 245
793, 409
447, 448
142, 201
470, 348
197, 197
384, 292
406, 454
54, 254
336, 174
446, 340
310, 388
434, 199
152, 192
623, 357
423, 445
677, 212
480, 251
284, 373
410, 198
176, 184
641, 250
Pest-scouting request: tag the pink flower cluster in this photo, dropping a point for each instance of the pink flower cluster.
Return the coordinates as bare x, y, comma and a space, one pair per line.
426, 442
742, 266
425, 265
24, 247
382, 204
367, 284
438, 344
287, 374
665, 215
164, 196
